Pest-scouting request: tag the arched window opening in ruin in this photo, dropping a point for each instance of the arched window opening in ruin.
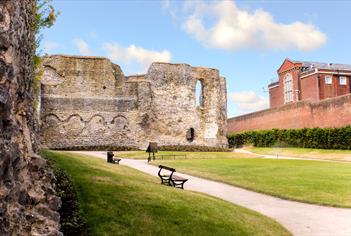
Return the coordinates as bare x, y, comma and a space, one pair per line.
190, 135
199, 93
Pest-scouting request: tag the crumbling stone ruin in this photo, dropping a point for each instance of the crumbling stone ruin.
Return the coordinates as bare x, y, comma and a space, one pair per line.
28, 205
88, 102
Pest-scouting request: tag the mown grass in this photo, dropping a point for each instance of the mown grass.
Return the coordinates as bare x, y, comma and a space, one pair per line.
117, 200
327, 154
324, 183
182, 155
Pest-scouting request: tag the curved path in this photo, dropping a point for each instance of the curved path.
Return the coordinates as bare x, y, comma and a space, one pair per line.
241, 150
299, 218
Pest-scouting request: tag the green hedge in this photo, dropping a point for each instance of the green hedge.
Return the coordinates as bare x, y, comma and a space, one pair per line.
323, 138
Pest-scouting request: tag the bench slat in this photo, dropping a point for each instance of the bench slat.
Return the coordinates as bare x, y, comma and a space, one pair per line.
178, 178
167, 168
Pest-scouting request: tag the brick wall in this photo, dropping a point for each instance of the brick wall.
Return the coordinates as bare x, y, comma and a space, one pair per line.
334, 89
310, 88
275, 95
333, 112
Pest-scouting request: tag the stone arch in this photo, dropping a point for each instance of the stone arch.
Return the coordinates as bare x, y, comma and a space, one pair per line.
51, 115
50, 120
73, 125
51, 128
120, 123
75, 115
51, 77
97, 117
96, 124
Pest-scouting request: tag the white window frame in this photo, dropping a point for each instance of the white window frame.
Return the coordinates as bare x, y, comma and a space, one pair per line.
328, 79
288, 88
342, 80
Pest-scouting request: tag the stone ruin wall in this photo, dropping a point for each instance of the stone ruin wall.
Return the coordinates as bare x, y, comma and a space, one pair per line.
28, 205
87, 101
174, 110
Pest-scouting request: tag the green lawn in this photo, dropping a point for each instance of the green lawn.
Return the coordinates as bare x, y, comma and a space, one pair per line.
328, 154
325, 183
117, 200
180, 155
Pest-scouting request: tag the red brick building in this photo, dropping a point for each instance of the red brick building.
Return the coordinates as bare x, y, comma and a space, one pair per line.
314, 81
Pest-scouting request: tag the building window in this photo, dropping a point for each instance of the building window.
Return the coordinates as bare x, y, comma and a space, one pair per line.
328, 79
342, 80
288, 89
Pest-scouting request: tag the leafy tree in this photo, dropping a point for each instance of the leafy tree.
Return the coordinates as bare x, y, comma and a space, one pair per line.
45, 17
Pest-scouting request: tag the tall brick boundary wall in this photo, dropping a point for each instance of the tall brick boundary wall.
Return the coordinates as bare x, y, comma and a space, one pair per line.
27, 202
333, 112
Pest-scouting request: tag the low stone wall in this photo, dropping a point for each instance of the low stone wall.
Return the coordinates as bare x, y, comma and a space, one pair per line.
333, 112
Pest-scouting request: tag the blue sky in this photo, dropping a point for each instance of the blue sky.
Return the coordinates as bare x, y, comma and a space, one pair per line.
246, 40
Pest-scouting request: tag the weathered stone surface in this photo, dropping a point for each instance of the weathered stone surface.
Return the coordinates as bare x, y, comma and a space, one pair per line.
174, 109
87, 101
23, 174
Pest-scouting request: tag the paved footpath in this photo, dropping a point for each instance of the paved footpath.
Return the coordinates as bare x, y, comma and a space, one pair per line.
241, 150
299, 218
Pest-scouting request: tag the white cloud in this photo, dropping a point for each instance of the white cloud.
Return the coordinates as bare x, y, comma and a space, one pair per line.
48, 46
166, 5
134, 54
169, 7
248, 101
82, 46
222, 24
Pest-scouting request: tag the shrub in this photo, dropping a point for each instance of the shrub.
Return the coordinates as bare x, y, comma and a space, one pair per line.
72, 223
323, 138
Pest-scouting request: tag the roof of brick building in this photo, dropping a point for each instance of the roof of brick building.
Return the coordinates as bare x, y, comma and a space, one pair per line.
322, 65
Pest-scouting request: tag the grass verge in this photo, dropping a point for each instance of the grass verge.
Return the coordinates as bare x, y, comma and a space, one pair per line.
117, 200
71, 220
182, 155
326, 154
324, 183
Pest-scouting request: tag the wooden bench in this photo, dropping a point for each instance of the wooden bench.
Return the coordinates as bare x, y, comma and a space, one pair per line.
112, 160
169, 178
116, 160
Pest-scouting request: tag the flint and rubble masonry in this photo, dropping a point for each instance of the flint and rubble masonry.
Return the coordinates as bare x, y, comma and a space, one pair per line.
87, 101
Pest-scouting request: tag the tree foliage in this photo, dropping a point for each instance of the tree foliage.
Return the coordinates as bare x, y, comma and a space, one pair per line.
45, 17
